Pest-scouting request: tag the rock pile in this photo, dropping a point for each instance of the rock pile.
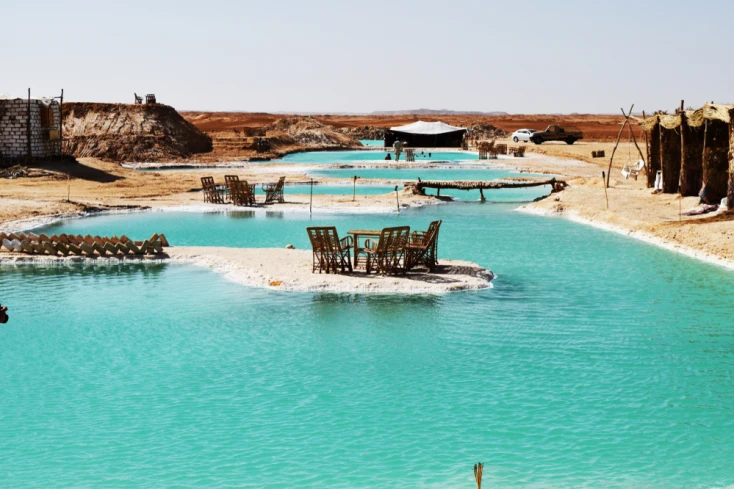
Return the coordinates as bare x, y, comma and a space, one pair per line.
130, 133
364, 132
309, 132
482, 131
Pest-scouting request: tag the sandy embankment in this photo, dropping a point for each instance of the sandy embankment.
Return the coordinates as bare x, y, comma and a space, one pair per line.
284, 269
635, 212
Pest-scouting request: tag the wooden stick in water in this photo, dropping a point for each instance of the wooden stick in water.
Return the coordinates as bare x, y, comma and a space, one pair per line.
606, 197
478, 469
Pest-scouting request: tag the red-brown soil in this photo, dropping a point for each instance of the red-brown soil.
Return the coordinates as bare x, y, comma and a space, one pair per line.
596, 127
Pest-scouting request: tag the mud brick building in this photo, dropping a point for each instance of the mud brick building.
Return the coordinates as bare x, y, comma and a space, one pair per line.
29, 127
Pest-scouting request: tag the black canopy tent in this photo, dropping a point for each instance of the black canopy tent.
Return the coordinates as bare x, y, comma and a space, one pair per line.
426, 135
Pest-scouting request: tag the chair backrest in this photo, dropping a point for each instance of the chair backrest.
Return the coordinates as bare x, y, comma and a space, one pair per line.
324, 238
432, 232
281, 182
229, 179
393, 239
328, 238
207, 182
315, 237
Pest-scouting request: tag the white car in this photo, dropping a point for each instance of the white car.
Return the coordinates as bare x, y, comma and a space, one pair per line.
522, 135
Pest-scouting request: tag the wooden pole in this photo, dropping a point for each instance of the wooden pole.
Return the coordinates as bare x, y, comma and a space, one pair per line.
621, 129
28, 126
397, 198
730, 192
662, 169
61, 124
703, 156
683, 182
634, 140
647, 148
354, 190
478, 470
481, 195
606, 197
310, 202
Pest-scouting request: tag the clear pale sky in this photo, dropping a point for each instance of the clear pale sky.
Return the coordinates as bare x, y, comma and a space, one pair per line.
344, 56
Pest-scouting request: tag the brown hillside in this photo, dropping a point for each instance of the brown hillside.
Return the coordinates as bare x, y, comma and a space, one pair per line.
139, 133
596, 127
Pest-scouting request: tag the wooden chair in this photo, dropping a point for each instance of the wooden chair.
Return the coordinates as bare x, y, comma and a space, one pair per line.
211, 193
229, 180
242, 193
330, 254
519, 152
387, 256
274, 191
422, 248
319, 259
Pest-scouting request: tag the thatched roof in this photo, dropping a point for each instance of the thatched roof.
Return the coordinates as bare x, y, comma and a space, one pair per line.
696, 118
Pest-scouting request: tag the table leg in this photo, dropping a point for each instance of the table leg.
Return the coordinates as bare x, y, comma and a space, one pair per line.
357, 249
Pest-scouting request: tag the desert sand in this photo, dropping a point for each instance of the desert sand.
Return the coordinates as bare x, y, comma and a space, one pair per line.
61, 189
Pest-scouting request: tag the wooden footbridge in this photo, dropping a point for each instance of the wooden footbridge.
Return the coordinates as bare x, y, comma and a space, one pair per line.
420, 186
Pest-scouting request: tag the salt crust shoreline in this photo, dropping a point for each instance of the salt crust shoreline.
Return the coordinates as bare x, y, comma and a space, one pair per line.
289, 270
36, 222
648, 238
531, 208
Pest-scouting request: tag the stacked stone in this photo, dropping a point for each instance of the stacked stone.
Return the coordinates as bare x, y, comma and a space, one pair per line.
14, 129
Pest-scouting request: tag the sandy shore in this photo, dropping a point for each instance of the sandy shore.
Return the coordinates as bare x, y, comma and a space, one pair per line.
97, 186
635, 212
290, 270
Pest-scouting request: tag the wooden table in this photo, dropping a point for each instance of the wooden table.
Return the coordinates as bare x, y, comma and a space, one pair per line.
364, 233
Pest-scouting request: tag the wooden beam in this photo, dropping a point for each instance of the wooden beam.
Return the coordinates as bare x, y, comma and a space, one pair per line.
682, 180
28, 126
481, 184
621, 129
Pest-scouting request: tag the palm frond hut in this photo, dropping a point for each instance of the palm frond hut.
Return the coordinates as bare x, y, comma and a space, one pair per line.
693, 149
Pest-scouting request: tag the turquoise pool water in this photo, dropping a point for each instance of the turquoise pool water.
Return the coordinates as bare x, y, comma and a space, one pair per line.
404, 174
395, 174
379, 143
333, 189
594, 362
373, 155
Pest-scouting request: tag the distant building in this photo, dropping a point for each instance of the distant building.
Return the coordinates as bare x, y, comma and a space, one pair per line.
29, 128
426, 135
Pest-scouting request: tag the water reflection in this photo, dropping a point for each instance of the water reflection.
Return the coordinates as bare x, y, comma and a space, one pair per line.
241, 214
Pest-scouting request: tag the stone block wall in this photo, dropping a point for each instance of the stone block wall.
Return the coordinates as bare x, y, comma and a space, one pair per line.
14, 129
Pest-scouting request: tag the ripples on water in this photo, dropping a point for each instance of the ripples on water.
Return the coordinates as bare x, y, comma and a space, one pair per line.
595, 361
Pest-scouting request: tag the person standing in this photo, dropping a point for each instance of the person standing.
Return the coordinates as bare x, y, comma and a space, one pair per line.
398, 146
